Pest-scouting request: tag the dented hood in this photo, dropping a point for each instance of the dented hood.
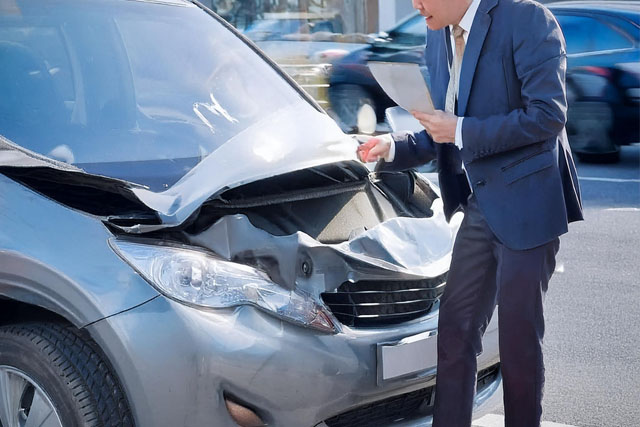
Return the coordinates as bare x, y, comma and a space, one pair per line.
290, 139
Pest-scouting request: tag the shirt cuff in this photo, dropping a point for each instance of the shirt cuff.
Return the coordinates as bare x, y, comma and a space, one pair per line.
458, 139
392, 147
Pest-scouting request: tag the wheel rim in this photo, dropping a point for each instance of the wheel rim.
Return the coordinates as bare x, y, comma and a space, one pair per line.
23, 403
347, 102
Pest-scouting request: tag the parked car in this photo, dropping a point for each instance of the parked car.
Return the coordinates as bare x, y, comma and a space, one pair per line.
187, 239
603, 81
283, 25
351, 84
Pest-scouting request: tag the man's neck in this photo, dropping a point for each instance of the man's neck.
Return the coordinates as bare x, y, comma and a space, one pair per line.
465, 6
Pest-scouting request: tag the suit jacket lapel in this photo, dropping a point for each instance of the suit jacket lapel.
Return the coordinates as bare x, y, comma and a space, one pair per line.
447, 44
440, 73
475, 41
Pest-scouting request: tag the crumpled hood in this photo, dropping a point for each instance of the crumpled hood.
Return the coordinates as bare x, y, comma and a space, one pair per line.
283, 142
288, 140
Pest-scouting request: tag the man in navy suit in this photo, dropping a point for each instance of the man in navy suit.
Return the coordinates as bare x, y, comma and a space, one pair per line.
497, 72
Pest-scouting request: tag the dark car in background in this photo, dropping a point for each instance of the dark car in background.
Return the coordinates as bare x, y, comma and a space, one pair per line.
603, 79
351, 84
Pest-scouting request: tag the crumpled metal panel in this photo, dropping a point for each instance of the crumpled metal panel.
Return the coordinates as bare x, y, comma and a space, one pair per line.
291, 139
274, 146
399, 248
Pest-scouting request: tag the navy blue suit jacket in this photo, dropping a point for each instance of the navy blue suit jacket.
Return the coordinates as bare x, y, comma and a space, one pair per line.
513, 100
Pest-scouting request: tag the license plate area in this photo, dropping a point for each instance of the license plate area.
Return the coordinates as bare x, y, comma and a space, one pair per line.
414, 356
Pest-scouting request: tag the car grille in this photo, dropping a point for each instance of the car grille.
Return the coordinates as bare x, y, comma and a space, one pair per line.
379, 303
407, 406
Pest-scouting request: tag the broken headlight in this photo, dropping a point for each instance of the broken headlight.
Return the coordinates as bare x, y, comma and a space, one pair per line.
202, 280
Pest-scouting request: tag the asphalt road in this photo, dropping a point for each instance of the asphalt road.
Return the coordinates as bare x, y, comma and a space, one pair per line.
592, 344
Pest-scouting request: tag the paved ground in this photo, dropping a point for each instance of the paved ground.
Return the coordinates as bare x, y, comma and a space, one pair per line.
592, 344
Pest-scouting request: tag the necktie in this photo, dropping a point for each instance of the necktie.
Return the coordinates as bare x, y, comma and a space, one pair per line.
454, 71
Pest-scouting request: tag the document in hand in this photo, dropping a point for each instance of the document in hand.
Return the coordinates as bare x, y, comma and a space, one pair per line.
404, 84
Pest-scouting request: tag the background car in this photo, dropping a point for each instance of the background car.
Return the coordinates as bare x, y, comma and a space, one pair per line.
187, 239
283, 25
603, 79
351, 84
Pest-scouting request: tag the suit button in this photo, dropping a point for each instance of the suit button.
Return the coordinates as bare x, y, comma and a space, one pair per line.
480, 183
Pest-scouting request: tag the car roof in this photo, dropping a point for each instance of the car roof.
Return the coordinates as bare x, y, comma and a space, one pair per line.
597, 5
627, 9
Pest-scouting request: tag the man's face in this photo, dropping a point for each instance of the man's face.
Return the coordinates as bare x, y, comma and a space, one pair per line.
440, 13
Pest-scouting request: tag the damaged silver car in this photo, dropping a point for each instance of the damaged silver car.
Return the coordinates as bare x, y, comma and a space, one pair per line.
186, 239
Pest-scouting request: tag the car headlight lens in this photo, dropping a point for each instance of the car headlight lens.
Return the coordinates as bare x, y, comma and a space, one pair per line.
199, 279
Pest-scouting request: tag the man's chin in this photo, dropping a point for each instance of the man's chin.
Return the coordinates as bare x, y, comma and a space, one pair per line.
433, 24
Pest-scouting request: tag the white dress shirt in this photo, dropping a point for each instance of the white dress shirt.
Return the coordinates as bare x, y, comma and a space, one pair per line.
466, 23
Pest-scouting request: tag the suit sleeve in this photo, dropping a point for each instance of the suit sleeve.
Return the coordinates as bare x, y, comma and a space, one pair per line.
411, 150
540, 62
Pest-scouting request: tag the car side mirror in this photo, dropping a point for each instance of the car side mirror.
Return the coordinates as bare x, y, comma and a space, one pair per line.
400, 120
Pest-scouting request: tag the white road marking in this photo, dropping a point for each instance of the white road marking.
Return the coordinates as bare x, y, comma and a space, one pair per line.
560, 268
601, 179
493, 420
623, 209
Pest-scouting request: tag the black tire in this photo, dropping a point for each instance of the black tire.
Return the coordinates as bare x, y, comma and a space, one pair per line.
589, 130
67, 366
346, 101
609, 157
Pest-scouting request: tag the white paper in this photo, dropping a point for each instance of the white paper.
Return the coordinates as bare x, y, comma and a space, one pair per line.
404, 84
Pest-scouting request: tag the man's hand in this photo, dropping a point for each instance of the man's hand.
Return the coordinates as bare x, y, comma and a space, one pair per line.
373, 150
440, 125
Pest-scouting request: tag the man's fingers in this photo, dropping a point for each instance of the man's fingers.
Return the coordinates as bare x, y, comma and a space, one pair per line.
377, 152
363, 149
372, 150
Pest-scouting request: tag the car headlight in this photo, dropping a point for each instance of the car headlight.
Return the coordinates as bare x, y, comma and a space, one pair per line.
199, 279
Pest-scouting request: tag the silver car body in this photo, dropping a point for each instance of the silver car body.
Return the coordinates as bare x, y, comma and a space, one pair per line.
177, 361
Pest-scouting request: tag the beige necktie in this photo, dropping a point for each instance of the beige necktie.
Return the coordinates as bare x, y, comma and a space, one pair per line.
454, 72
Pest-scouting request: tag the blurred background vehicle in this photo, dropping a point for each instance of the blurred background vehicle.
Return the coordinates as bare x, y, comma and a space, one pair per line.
351, 84
283, 25
603, 79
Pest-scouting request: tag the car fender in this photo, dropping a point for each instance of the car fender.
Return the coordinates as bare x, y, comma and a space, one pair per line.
59, 259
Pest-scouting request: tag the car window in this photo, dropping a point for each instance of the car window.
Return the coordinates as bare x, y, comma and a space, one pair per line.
109, 86
586, 34
413, 27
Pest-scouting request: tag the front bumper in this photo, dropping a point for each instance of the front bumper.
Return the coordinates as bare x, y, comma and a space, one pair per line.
176, 363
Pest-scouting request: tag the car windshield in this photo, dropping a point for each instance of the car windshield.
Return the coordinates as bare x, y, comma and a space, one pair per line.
137, 90
414, 27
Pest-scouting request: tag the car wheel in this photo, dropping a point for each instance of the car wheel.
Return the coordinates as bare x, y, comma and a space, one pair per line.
53, 376
346, 102
589, 128
609, 157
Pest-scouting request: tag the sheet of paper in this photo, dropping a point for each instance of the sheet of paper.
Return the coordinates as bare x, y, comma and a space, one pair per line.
404, 84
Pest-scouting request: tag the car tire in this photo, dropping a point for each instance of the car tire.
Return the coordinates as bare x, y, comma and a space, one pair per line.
609, 157
346, 101
589, 129
56, 371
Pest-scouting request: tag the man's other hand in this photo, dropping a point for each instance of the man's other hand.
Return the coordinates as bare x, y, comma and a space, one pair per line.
373, 150
440, 125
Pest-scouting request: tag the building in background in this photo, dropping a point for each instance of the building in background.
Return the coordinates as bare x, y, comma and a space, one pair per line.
358, 16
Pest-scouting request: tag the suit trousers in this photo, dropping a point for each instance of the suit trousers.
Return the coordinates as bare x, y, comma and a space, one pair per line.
484, 273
